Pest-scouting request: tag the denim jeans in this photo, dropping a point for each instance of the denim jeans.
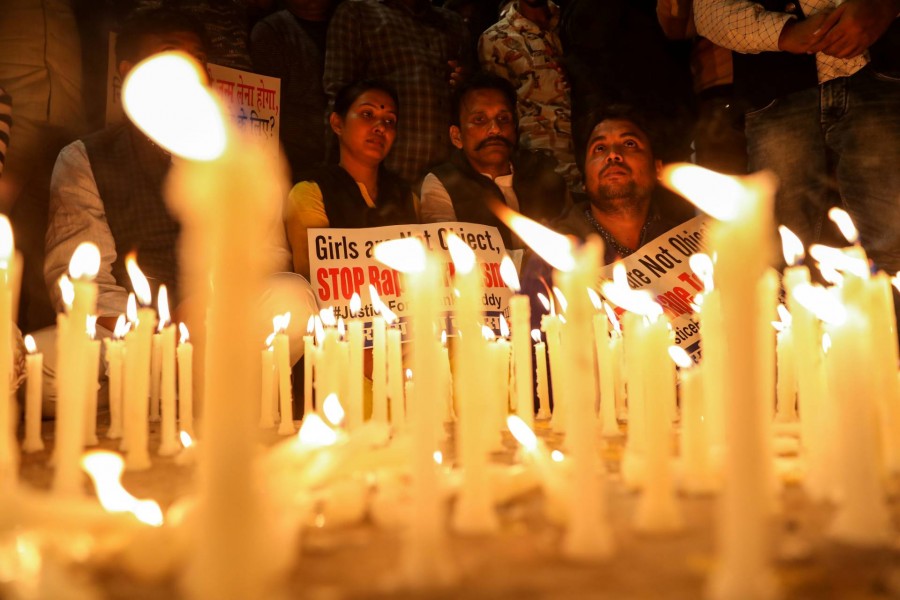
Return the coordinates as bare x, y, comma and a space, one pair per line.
840, 140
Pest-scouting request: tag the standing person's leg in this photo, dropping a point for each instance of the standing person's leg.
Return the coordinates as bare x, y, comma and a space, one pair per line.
865, 136
786, 138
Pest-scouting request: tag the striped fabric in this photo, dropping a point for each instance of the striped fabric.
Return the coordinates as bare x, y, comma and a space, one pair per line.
5, 125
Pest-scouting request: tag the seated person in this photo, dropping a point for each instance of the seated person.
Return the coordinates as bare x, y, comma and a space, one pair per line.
358, 191
488, 166
107, 188
622, 202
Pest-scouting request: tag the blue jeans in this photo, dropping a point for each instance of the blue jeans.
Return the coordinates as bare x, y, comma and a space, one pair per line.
840, 140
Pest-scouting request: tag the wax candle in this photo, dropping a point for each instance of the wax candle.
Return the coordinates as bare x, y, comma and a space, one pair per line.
8, 451
185, 358
588, 536
72, 372
115, 349
550, 326
34, 366
607, 377
739, 237
155, 375
449, 413
786, 387
395, 376
129, 378
520, 314
138, 349
474, 511
266, 416
379, 368
696, 467
634, 335
309, 361
169, 442
283, 368
92, 358
354, 374
884, 347
540, 360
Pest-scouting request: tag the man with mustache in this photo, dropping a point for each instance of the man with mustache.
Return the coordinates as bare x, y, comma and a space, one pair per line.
487, 165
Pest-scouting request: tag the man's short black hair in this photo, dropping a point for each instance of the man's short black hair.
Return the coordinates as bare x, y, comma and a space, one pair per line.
153, 21
482, 80
585, 124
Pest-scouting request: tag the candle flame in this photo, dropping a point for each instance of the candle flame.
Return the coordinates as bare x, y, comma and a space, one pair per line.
438, 457
7, 244
327, 316
563, 303
186, 439
611, 313
834, 258
162, 302
895, 281
185, 336
30, 345
536, 335
826, 342
508, 274
90, 326
557, 456
488, 333
138, 281
702, 265
680, 357
522, 432
390, 317
778, 325
320, 331
444, 337
270, 339
310, 324
355, 303
408, 374
595, 299
842, 219
543, 299
105, 470
67, 290
121, 328
719, 196
333, 410
406, 255
342, 329
831, 275
461, 254
376, 299
785, 315
504, 327
791, 246
640, 302
555, 249
85, 262
190, 123
315, 432
823, 305
131, 308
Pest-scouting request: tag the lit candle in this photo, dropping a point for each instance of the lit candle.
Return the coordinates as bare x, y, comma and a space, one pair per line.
309, 362
114, 355
283, 367
92, 358
155, 375
540, 359
137, 356
379, 362
696, 466
446, 380
395, 376
169, 443
267, 390
520, 315
884, 345
354, 374
34, 366
605, 371
130, 356
786, 387
550, 325
185, 357
71, 371
740, 238
9, 460
474, 510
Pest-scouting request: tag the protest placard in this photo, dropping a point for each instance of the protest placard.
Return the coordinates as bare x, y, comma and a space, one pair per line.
661, 268
252, 100
342, 263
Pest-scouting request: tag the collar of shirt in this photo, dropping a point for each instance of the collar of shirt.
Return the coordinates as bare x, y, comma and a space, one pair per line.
502, 180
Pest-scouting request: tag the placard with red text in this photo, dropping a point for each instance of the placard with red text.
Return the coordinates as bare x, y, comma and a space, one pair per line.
342, 263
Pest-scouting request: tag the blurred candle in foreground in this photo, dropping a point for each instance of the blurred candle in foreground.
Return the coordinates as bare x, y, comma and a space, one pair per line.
114, 359
34, 366
169, 443
185, 359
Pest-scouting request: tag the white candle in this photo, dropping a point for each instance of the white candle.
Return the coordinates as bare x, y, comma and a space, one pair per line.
9, 461
606, 373
520, 315
169, 442
395, 376
884, 347
550, 326
786, 387
266, 416
696, 467
449, 412
354, 374
138, 456
589, 536
92, 357
155, 376
72, 371
309, 361
283, 367
34, 366
379, 371
115, 349
634, 335
540, 360
185, 357
474, 510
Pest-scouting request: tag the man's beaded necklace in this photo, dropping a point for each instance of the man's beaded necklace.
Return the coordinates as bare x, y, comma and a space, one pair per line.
612, 241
